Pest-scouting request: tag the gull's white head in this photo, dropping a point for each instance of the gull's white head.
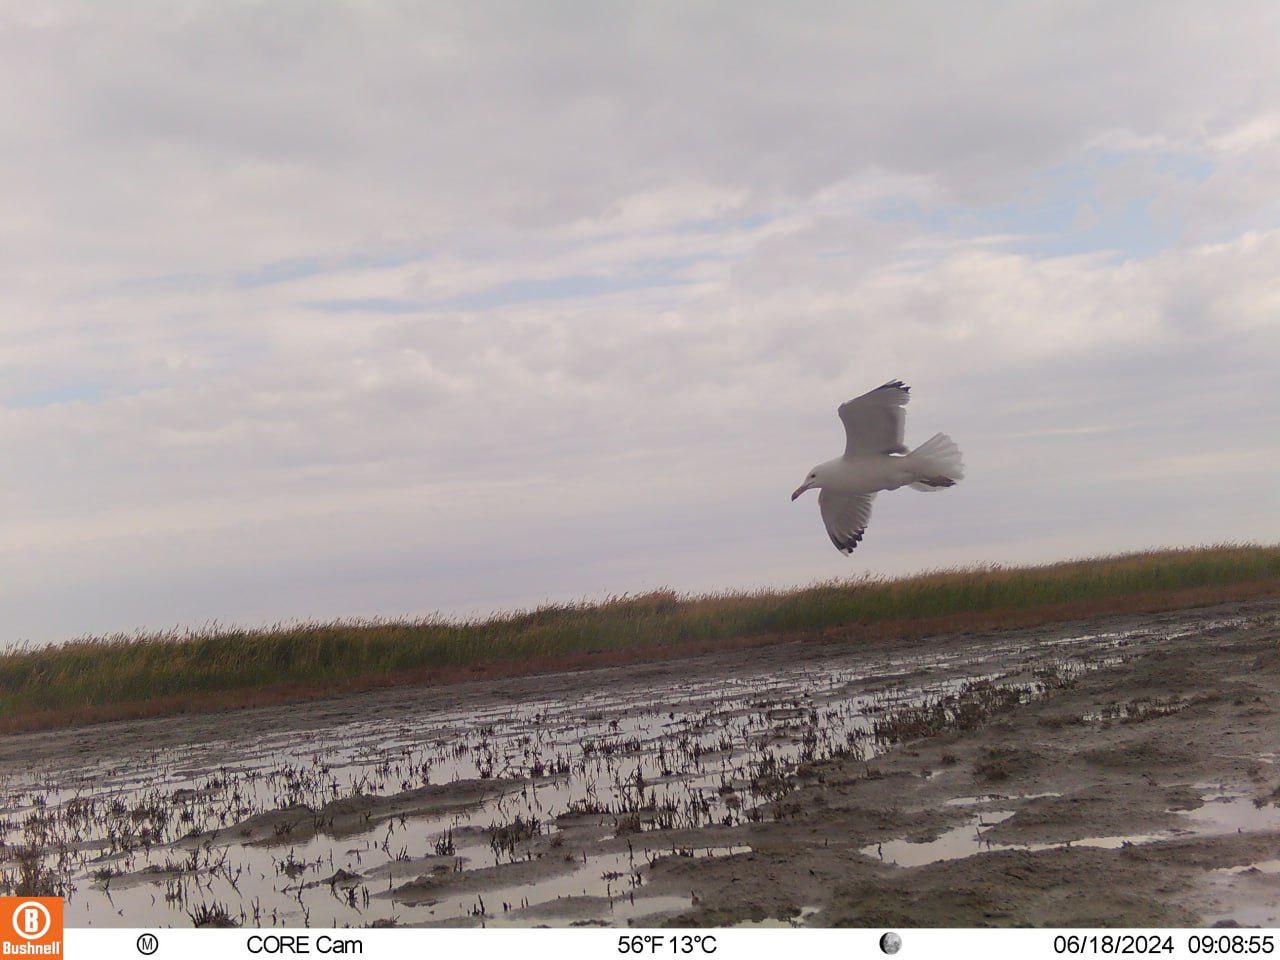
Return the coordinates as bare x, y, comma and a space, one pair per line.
812, 481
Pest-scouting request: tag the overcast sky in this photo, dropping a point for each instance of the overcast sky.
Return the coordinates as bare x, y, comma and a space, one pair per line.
312, 310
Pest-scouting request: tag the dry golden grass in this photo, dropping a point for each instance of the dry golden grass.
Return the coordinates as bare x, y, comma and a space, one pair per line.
95, 679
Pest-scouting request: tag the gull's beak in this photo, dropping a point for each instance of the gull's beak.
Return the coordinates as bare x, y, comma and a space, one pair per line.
799, 490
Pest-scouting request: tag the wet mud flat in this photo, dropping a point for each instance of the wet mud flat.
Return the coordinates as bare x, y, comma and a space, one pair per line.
1117, 771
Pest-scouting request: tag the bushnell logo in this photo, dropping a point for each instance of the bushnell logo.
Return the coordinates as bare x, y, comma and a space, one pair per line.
30, 927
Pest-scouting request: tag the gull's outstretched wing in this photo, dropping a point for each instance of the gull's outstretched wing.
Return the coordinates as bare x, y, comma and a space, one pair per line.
846, 516
873, 422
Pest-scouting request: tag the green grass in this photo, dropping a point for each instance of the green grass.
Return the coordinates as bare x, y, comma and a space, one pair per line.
98, 678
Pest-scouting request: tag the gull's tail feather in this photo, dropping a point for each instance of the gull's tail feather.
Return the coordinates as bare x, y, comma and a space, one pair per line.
937, 462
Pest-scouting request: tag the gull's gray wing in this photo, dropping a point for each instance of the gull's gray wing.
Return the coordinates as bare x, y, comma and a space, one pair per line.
846, 516
874, 422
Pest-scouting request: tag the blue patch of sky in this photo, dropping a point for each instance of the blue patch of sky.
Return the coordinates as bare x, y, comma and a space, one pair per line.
636, 276
639, 275
378, 261
643, 276
53, 396
726, 224
1060, 211
366, 305
280, 271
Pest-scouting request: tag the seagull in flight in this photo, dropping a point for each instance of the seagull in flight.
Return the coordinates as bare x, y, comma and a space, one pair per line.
876, 459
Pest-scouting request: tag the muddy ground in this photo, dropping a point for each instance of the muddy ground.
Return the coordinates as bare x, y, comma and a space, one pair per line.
1146, 793
1115, 772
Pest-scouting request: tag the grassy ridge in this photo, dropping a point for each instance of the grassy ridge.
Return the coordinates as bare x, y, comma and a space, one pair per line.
123, 676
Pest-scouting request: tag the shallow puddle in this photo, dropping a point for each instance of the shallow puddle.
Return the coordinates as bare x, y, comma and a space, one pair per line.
954, 844
1226, 813
1247, 895
996, 798
1219, 814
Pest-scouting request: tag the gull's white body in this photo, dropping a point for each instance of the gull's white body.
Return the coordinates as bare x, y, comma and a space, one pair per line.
876, 459
866, 474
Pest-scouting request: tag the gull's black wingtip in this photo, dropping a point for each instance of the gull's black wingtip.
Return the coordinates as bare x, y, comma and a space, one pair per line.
846, 545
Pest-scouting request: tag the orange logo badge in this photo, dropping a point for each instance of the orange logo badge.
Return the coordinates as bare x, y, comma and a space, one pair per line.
30, 927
